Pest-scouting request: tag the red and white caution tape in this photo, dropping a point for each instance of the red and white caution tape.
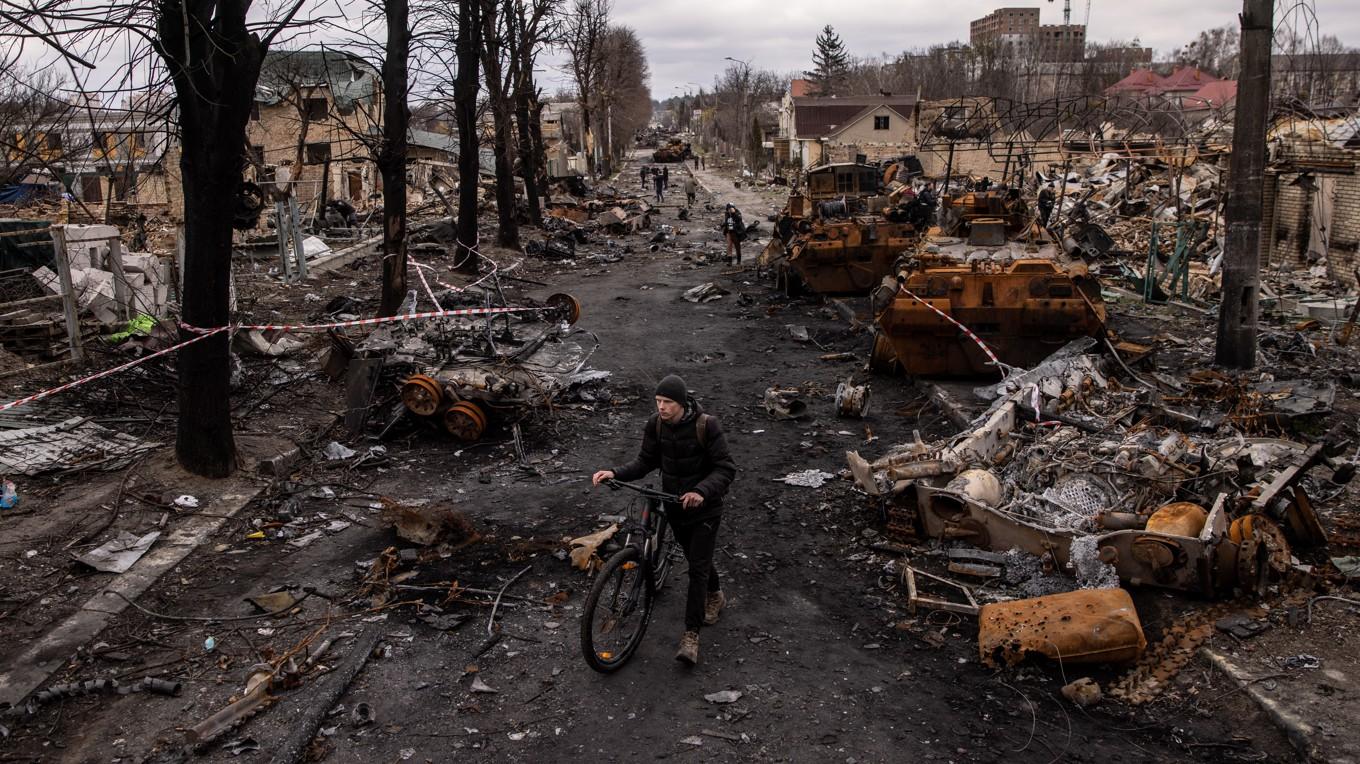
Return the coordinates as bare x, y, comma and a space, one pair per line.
204, 333
108, 372
994, 361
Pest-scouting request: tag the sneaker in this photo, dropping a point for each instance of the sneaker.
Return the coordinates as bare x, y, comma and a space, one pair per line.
689, 648
713, 606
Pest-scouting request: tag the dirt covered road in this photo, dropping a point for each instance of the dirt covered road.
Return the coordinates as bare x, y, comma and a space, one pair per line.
823, 659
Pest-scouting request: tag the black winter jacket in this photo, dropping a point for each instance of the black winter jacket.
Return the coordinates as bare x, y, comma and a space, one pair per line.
685, 465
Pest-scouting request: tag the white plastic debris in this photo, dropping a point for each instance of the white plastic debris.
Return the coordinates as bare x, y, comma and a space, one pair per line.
807, 478
725, 696
120, 553
187, 502
334, 451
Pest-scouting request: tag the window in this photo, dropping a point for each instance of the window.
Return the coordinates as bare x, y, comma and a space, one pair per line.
53, 141
318, 153
316, 108
881, 123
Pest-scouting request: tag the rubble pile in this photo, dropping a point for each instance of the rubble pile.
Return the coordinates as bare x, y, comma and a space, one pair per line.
1081, 468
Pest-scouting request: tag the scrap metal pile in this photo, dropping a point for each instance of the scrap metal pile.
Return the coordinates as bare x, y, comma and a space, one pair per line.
1073, 470
1118, 476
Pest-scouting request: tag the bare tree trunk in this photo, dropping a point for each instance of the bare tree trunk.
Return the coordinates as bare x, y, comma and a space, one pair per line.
503, 144
528, 154
520, 33
392, 157
465, 114
214, 62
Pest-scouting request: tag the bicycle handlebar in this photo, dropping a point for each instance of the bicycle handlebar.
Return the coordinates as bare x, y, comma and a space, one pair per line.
646, 491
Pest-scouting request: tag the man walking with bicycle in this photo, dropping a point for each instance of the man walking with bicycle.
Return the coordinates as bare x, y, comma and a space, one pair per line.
691, 451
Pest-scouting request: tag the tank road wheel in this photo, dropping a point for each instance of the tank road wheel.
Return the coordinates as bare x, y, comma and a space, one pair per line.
565, 306
465, 421
421, 394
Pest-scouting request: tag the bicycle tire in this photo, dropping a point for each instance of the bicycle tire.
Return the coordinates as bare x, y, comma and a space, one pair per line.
614, 587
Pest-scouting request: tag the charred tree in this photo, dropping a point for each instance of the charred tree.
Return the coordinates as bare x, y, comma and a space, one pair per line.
494, 45
529, 158
391, 159
523, 32
465, 88
214, 62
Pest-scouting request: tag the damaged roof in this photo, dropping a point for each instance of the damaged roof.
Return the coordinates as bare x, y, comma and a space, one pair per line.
349, 77
820, 117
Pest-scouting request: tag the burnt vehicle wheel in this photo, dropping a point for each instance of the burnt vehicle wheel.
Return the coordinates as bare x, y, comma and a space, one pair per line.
565, 306
422, 394
465, 421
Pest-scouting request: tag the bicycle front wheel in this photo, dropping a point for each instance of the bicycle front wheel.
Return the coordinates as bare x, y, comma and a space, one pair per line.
667, 550
616, 612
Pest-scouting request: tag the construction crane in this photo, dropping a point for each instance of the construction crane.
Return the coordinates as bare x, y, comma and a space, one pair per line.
1067, 12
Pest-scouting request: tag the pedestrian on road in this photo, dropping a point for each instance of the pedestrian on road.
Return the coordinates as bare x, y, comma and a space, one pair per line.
691, 451
666, 178
644, 177
734, 231
696, 161
1045, 204
660, 183
703, 161
691, 189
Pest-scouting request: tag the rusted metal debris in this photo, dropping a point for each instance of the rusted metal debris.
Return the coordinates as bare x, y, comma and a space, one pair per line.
1109, 494
461, 375
1084, 626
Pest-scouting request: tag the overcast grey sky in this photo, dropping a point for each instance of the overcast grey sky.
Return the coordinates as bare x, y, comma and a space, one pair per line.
686, 40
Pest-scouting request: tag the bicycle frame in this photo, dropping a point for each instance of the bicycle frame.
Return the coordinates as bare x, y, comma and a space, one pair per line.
655, 501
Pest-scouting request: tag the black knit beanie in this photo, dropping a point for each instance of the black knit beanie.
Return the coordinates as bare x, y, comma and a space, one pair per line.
673, 387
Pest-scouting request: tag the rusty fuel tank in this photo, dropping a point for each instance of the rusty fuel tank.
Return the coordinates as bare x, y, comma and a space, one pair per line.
1084, 626
1023, 311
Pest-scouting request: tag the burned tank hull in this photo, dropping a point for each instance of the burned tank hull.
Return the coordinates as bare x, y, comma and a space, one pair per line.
1023, 311
848, 256
674, 151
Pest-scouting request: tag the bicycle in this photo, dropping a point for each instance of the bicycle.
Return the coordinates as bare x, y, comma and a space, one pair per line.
619, 605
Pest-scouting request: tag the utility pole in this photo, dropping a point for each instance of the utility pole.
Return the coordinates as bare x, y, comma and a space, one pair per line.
1237, 313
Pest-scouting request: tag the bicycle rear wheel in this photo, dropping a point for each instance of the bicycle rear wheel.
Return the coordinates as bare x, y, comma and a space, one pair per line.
616, 612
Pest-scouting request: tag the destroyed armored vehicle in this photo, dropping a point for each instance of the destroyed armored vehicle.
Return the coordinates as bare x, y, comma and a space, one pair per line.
462, 374
1018, 307
839, 235
675, 150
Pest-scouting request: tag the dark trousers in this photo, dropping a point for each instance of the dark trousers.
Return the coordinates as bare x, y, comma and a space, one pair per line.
733, 245
699, 541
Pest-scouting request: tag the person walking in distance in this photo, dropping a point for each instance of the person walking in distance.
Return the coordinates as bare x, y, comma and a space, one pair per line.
660, 184
690, 449
1046, 197
734, 230
643, 172
691, 189
666, 178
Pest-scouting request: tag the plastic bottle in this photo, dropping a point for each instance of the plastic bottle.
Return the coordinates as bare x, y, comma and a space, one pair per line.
9, 495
